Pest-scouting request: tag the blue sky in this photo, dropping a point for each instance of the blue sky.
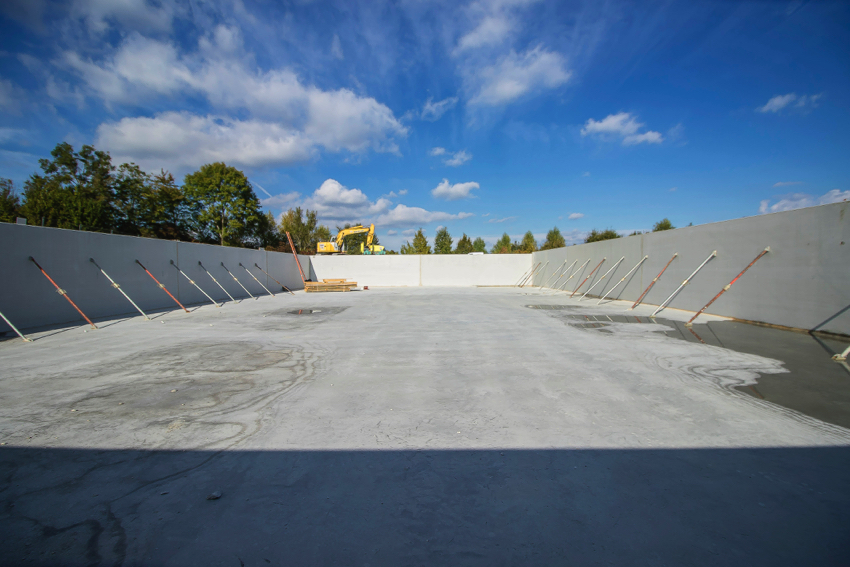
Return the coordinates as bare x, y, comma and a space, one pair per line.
485, 117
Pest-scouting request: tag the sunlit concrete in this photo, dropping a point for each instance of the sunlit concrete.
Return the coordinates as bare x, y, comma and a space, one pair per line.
406, 426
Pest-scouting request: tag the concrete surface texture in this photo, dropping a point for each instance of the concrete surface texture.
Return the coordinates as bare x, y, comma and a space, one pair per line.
29, 300
801, 282
424, 425
439, 270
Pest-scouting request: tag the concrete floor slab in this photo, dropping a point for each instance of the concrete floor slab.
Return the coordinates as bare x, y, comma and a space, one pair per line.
411, 426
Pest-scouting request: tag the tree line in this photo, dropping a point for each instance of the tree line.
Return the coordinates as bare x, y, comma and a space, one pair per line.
216, 205
443, 243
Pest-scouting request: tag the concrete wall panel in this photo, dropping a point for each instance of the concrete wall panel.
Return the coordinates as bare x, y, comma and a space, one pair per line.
424, 270
802, 282
471, 270
392, 270
29, 300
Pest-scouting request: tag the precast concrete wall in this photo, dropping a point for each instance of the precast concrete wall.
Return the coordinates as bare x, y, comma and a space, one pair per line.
472, 270
28, 299
803, 282
423, 270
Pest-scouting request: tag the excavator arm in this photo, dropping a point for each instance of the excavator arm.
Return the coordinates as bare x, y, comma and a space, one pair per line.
336, 246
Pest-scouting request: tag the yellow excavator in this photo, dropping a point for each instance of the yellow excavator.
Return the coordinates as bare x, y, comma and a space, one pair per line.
337, 246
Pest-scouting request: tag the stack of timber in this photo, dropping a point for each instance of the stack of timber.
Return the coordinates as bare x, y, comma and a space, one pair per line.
329, 285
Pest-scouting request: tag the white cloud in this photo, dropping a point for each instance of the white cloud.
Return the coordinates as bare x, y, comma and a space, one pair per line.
517, 75
672, 189
408, 232
648, 137
277, 202
446, 190
11, 95
800, 200
433, 111
403, 215
779, 102
786, 183
492, 30
574, 216
621, 125
438, 151
335, 204
392, 232
506, 219
458, 158
128, 14
336, 48
393, 194
280, 119
586, 174
184, 140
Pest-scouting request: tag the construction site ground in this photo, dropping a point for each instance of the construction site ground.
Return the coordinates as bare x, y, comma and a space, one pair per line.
421, 426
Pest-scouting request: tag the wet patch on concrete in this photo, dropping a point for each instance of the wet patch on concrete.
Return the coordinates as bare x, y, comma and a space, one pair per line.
812, 383
199, 395
553, 307
313, 311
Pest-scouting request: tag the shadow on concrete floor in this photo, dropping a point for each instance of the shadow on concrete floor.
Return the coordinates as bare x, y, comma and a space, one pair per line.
784, 506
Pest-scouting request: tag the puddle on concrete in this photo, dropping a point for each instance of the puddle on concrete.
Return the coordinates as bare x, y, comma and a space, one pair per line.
314, 311
553, 307
814, 385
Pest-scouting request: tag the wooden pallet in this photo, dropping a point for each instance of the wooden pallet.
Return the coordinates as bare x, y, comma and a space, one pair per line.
334, 285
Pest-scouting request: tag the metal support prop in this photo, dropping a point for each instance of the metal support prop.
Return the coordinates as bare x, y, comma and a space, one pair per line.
652, 283
162, 287
622, 280
256, 280
546, 283
837, 358
272, 277
216, 281
63, 293
725, 289
566, 281
588, 277
295, 253
530, 280
521, 277
14, 328
191, 281
605, 275
527, 275
683, 284
118, 287
237, 281
563, 273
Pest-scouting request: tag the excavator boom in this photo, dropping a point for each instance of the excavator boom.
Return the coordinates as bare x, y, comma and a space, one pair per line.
336, 246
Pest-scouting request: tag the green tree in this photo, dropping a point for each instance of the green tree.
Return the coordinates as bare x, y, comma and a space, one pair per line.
554, 239
10, 204
597, 235
167, 211
420, 243
663, 224
464, 245
407, 248
443, 242
528, 244
503, 245
129, 204
267, 234
479, 246
75, 190
228, 209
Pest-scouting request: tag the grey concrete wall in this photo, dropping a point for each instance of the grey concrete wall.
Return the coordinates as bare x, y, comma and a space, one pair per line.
423, 270
29, 300
803, 282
